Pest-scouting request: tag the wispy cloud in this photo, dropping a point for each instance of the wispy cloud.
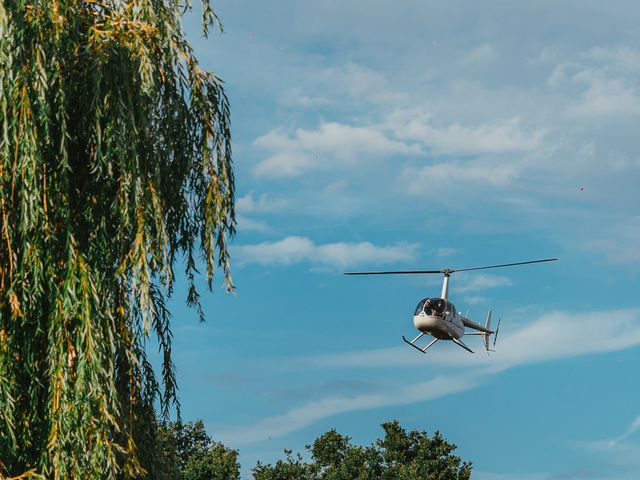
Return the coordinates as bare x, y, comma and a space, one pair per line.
631, 429
437, 179
616, 443
483, 281
265, 203
618, 242
301, 417
291, 250
250, 225
605, 78
249, 206
553, 336
619, 450
347, 83
361, 84
480, 55
296, 97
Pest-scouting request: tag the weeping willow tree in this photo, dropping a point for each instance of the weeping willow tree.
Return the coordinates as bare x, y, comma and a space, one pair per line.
115, 168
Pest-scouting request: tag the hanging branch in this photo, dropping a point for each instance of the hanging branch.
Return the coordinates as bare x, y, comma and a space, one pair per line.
115, 162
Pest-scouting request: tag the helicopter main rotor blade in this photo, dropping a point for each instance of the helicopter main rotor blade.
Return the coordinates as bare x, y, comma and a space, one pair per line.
448, 271
504, 265
401, 272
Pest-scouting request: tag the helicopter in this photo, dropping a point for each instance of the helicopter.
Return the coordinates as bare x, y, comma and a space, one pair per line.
438, 317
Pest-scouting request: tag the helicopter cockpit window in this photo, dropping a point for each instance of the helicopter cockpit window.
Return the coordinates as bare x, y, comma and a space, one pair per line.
420, 306
451, 308
434, 306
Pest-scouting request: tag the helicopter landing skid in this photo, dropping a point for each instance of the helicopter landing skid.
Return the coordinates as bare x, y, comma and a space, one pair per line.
459, 342
412, 343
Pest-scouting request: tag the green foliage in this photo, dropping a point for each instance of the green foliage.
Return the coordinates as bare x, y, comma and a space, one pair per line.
192, 455
115, 163
187, 440
292, 468
216, 463
398, 456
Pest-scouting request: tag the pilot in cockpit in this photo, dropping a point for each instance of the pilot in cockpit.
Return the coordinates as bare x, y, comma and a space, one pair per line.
430, 309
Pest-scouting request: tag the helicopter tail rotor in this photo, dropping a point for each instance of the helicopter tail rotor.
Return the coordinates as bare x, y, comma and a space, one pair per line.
486, 337
495, 337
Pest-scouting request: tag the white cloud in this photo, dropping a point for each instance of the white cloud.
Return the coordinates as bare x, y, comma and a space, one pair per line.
284, 252
480, 55
441, 178
606, 97
250, 225
265, 203
360, 83
300, 249
620, 57
483, 281
633, 427
338, 86
473, 299
295, 97
505, 136
562, 335
607, 79
287, 160
618, 242
563, 72
332, 143
347, 142
547, 55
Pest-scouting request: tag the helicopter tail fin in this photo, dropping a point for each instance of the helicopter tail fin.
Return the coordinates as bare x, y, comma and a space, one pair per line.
487, 336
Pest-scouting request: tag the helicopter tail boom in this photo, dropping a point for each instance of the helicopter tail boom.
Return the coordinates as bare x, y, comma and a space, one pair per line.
476, 326
484, 331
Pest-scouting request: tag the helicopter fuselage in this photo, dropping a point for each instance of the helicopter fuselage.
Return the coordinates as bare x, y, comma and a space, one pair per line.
439, 318
442, 326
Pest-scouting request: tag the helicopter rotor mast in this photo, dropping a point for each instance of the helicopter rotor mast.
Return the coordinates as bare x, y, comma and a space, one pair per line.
445, 283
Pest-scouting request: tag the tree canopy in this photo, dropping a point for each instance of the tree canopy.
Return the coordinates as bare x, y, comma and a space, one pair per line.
397, 456
189, 453
115, 164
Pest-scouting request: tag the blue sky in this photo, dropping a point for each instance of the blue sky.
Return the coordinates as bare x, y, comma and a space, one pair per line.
424, 135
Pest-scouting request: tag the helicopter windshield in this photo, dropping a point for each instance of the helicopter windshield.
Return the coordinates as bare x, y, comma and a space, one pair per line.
431, 306
420, 306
